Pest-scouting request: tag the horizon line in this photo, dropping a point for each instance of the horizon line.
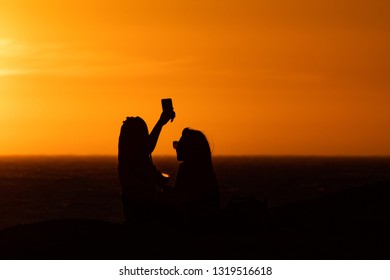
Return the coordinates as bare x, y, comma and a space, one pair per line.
217, 155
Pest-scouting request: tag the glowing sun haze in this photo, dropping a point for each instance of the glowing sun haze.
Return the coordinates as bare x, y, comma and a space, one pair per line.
258, 77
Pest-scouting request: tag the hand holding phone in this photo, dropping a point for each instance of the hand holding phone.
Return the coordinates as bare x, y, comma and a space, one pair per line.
167, 107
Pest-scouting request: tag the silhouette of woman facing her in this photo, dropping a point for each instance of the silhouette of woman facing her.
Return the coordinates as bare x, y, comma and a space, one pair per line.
140, 180
196, 184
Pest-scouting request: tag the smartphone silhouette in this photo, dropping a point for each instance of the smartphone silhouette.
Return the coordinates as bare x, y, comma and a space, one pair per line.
167, 105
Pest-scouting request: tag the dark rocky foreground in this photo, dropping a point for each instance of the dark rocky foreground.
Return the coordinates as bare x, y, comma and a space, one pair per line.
352, 224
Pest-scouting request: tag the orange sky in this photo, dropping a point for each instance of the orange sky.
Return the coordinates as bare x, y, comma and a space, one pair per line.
258, 77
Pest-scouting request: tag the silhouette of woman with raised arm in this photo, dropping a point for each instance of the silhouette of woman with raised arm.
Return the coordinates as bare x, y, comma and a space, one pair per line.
196, 184
140, 180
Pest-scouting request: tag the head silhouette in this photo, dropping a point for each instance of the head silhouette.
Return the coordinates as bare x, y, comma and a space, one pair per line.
193, 147
133, 139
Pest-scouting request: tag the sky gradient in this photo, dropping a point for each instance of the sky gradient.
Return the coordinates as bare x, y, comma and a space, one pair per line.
258, 77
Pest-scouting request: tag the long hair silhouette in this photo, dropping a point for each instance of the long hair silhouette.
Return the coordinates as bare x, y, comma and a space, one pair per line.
194, 147
196, 179
137, 174
133, 142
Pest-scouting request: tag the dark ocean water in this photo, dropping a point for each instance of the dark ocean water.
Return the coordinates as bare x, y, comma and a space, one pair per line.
41, 188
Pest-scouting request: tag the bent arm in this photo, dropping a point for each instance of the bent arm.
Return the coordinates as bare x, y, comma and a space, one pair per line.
153, 137
155, 133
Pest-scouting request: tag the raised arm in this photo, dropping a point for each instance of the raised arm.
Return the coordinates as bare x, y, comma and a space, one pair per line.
155, 133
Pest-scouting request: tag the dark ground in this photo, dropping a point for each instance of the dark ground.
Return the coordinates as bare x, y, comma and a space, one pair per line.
350, 224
